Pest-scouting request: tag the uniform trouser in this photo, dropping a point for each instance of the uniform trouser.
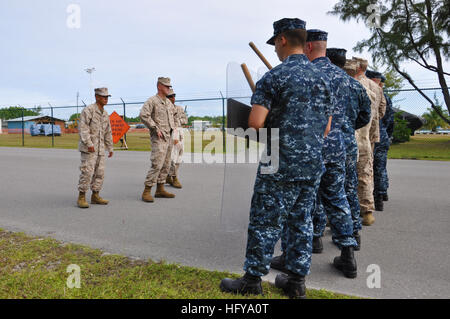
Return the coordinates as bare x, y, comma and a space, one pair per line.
276, 204
332, 203
160, 160
365, 182
92, 172
177, 155
351, 188
380, 175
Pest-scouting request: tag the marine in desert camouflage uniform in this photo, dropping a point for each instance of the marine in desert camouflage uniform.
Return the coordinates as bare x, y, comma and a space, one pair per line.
358, 116
180, 119
366, 138
95, 138
157, 115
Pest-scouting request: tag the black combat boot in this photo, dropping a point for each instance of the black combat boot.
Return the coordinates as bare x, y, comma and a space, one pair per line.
385, 197
279, 262
379, 205
346, 262
292, 285
246, 285
357, 237
317, 246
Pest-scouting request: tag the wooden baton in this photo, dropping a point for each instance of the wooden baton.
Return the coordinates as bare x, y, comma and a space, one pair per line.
248, 77
261, 56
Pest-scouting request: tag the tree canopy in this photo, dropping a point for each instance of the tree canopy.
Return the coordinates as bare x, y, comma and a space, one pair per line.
16, 112
394, 82
74, 116
405, 31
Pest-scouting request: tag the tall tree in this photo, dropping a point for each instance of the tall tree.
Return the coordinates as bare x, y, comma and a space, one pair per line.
74, 116
415, 31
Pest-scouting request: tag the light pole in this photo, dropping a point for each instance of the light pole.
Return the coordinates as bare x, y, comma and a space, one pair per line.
90, 71
78, 96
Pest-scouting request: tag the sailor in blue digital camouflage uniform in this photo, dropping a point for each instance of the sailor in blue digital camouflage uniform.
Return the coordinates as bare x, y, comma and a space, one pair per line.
295, 98
357, 116
332, 199
380, 175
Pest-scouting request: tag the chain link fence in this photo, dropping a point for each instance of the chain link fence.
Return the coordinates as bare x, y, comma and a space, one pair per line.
57, 126
410, 102
21, 131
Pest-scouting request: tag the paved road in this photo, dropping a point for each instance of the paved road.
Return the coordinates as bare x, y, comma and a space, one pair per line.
410, 240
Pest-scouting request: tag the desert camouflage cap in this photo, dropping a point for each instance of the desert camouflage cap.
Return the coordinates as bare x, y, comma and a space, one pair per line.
362, 63
101, 92
164, 81
358, 59
316, 35
351, 61
171, 92
285, 24
351, 65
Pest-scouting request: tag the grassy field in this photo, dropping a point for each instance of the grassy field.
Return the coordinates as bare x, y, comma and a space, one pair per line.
32, 267
423, 147
136, 141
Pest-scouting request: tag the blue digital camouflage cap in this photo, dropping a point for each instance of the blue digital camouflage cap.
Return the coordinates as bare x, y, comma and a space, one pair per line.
373, 74
316, 35
285, 24
335, 52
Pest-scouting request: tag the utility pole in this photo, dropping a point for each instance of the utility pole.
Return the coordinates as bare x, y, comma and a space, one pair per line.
53, 125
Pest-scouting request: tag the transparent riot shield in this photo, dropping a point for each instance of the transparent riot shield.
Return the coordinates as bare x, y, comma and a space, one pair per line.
243, 151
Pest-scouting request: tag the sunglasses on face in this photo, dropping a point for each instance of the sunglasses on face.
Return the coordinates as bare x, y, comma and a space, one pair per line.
170, 96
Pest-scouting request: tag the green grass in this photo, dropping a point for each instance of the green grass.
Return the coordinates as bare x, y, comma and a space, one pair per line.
32, 267
136, 141
423, 147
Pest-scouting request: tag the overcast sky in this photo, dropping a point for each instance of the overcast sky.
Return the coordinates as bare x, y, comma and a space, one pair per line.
131, 43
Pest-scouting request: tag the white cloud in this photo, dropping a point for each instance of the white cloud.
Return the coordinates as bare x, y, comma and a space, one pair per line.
132, 43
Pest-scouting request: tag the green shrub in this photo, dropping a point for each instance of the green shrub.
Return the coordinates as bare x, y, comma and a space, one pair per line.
401, 130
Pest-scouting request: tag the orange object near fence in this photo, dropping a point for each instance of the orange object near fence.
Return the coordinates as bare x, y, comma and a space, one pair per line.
118, 126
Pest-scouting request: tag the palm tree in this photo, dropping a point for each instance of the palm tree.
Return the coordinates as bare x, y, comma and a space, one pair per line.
432, 118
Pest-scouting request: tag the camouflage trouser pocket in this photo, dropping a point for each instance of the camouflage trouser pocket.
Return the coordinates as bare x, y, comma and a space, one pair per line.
266, 205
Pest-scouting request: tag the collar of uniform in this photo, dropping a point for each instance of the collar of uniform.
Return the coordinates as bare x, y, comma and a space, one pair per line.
163, 101
297, 57
322, 58
97, 109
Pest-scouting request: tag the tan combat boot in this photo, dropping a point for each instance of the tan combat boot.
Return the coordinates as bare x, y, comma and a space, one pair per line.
82, 203
176, 183
162, 193
368, 219
96, 199
147, 195
169, 180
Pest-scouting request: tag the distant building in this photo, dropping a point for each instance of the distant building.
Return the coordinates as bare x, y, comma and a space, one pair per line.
201, 125
15, 125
